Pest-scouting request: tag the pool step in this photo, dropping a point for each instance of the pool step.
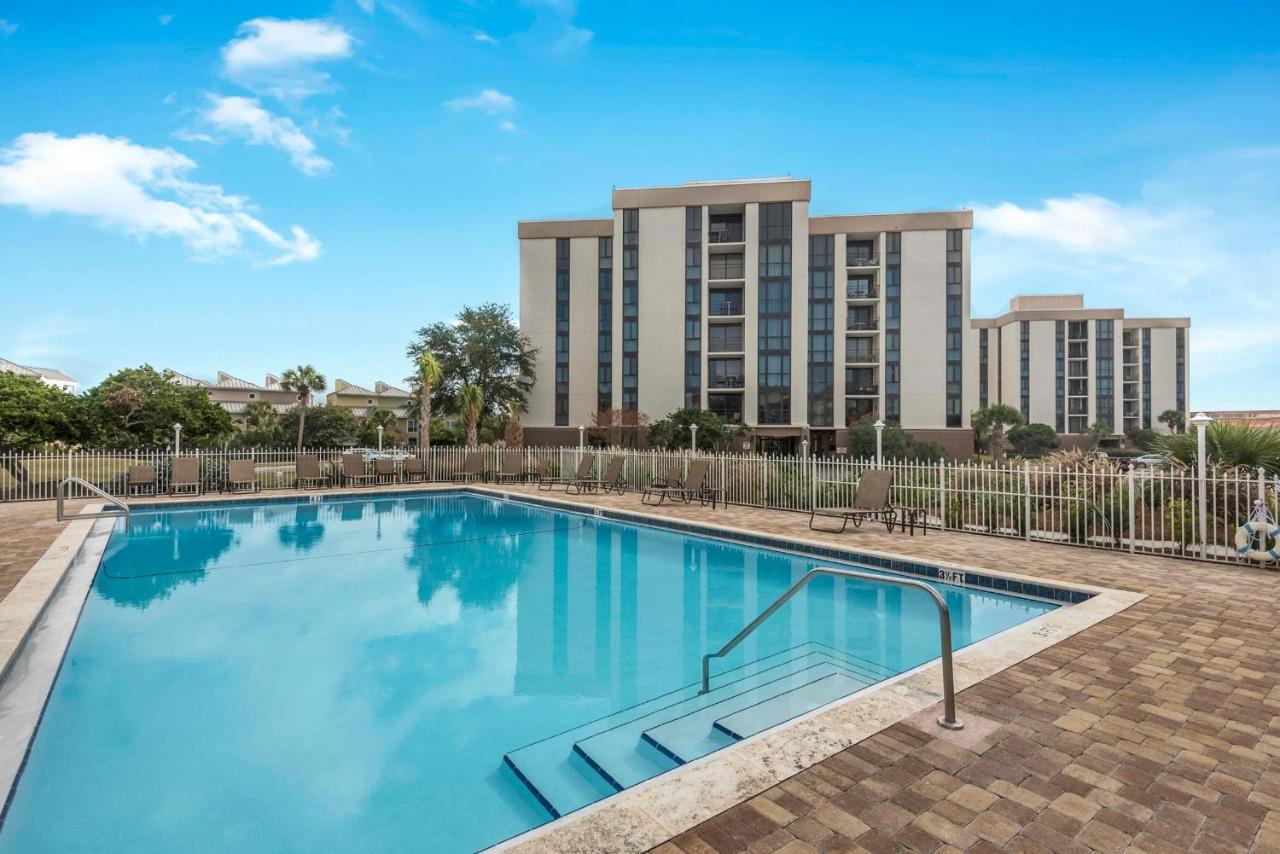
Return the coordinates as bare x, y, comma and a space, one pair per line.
579, 766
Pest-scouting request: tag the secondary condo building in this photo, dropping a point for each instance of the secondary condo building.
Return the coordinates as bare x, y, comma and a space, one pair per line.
730, 296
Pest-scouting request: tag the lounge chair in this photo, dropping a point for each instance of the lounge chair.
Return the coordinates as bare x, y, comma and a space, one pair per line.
693, 486
140, 480
353, 470
472, 468
242, 476
415, 468
184, 475
512, 469
673, 478
870, 501
611, 480
582, 473
540, 471
307, 471
384, 470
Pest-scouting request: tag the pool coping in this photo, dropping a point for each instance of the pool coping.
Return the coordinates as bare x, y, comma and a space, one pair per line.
647, 814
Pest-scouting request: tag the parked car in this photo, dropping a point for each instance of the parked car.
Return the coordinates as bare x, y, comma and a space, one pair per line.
1150, 461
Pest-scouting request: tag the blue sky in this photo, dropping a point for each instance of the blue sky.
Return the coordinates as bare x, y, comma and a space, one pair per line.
156, 159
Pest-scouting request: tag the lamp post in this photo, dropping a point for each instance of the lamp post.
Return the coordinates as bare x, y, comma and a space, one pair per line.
177, 439
879, 425
582, 438
693, 438
379, 438
1201, 423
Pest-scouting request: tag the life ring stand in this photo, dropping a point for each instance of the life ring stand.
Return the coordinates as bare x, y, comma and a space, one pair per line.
1259, 527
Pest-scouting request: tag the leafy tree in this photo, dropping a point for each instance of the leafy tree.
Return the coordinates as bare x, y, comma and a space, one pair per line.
1033, 439
924, 449
259, 413
618, 428
384, 418
325, 426
32, 414
1227, 445
1141, 437
483, 348
672, 432
1098, 431
305, 380
428, 376
989, 427
1175, 420
862, 440
471, 407
513, 431
137, 407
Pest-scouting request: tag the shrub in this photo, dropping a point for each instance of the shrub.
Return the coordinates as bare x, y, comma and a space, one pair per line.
1227, 445
1033, 439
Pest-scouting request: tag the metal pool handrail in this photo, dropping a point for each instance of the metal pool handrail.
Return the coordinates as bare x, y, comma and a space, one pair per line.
122, 509
948, 719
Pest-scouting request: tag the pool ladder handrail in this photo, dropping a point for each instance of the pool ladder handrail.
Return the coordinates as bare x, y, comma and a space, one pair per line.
948, 719
122, 509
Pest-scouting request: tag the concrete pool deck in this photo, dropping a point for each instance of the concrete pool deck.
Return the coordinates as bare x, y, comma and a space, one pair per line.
1157, 729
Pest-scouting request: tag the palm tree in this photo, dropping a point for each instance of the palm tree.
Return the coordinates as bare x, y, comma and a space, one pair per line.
470, 405
990, 422
1227, 445
1175, 420
259, 413
429, 377
305, 380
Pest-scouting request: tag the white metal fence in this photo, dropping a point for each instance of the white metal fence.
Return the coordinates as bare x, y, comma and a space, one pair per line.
1155, 511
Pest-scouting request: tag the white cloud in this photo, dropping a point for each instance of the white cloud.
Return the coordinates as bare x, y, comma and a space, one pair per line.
484, 37
142, 191
488, 101
554, 33
1083, 222
279, 57
507, 125
246, 118
366, 5
7, 28
165, 20
571, 41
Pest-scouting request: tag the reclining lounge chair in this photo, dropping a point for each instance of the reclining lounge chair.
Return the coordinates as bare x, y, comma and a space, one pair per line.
581, 474
870, 501
242, 476
353, 471
693, 486
307, 472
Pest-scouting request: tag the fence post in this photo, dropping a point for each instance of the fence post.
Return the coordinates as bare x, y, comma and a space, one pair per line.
942, 493
1201, 422
1133, 515
813, 483
1026, 504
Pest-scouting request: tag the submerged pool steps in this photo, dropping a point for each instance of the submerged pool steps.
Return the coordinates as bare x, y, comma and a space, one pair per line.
579, 766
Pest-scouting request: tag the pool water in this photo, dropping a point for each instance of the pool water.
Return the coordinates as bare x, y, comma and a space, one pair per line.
348, 675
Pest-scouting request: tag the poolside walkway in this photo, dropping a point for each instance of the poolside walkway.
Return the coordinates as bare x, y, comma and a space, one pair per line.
1156, 730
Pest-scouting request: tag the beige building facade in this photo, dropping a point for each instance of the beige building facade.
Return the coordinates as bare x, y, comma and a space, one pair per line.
362, 401
234, 394
732, 297
1068, 366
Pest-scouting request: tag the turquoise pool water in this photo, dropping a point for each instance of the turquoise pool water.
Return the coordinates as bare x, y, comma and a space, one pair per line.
349, 675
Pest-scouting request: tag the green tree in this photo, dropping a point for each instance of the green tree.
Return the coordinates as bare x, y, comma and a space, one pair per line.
1227, 445
305, 380
1033, 439
471, 407
1141, 437
483, 347
137, 407
325, 426
672, 432
428, 376
1098, 431
1175, 420
989, 427
33, 414
862, 440
260, 414
384, 418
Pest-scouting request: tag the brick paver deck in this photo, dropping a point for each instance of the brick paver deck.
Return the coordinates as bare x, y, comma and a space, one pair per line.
1156, 730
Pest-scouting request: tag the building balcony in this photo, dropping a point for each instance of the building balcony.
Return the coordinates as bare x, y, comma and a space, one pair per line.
862, 324
862, 357
862, 390
734, 382
725, 309
727, 232
858, 261
862, 291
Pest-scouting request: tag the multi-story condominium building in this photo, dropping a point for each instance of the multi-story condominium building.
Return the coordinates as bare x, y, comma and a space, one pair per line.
48, 376
730, 296
362, 401
234, 394
1068, 366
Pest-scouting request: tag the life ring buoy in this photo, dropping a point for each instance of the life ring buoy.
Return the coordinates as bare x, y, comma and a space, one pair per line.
1244, 540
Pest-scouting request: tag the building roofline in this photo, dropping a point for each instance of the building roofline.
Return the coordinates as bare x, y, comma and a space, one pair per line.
533, 229
903, 221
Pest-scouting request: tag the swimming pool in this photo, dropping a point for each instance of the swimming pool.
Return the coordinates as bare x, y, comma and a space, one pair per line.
427, 672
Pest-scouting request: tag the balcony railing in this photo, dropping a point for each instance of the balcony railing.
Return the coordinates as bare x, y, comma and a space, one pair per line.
726, 345
733, 270
862, 260
862, 389
862, 292
725, 232
724, 309
861, 324
862, 357
726, 381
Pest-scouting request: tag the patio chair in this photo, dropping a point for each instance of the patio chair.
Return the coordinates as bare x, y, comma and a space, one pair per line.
307, 471
242, 476
540, 471
184, 476
673, 478
140, 478
611, 480
582, 473
870, 501
353, 470
693, 486
384, 470
512, 469
415, 468
472, 468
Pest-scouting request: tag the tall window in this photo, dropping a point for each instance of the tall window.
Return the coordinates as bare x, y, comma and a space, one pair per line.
1060, 374
893, 326
693, 307
1024, 368
604, 325
955, 324
1105, 369
562, 331
631, 309
822, 308
1180, 358
774, 340
984, 382
1146, 378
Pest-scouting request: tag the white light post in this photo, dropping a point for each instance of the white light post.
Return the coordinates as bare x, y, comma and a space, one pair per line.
582, 438
1201, 423
693, 438
804, 448
177, 439
879, 425
379, 438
